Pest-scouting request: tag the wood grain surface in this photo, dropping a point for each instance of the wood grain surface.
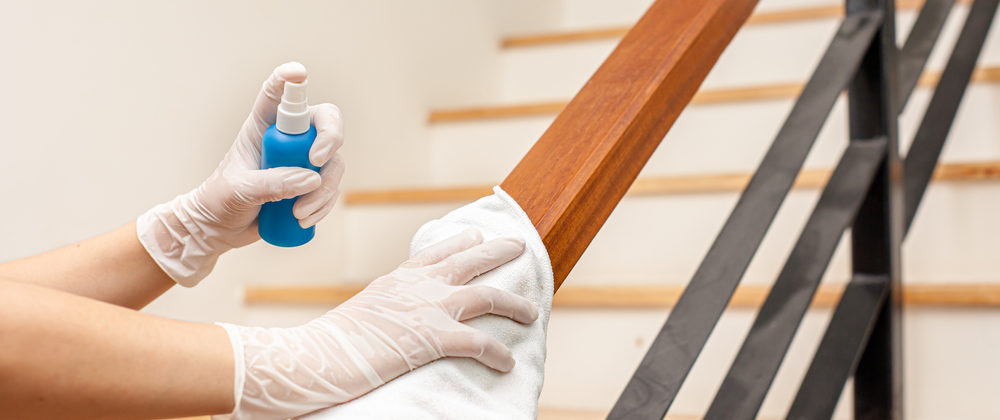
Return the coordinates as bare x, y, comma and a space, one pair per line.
575, 174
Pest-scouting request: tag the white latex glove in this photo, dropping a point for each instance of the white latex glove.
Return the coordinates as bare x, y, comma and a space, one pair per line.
185, 236
401, 321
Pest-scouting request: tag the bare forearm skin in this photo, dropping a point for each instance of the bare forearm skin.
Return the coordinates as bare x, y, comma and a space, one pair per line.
112, 268
66, 356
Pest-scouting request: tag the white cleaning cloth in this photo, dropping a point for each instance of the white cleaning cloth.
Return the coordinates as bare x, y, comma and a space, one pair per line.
462, 388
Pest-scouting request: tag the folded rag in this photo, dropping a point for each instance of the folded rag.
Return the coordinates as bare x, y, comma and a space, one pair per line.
462, 388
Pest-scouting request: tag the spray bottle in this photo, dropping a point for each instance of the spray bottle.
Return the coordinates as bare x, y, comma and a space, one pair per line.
287, 143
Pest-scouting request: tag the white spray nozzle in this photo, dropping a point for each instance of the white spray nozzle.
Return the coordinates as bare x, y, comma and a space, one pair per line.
293, 112
295, 92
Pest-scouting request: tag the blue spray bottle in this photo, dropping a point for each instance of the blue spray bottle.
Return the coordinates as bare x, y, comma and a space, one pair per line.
287, 143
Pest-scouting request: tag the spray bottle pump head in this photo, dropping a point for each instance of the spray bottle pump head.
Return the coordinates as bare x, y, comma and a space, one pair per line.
293, 112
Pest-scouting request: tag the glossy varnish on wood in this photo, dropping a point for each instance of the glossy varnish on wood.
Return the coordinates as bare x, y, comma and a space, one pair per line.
576, 173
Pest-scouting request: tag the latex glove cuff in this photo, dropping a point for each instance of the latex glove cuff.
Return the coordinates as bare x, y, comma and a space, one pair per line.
185, 247
282, 372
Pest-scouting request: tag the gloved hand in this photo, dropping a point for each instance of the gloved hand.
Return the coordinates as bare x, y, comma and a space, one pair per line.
186, 235
400, 322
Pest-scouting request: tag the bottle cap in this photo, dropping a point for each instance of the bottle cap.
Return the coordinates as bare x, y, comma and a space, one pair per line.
293, 112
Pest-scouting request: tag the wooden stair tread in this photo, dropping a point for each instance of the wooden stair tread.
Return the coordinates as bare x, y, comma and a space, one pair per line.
679, 184
555, 413
548, 413
651, 297
769, 17
707, 96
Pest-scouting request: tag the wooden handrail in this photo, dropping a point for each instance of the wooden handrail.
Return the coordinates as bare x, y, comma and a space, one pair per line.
778, 16
575, 174
707, 96
655, 297
679, 184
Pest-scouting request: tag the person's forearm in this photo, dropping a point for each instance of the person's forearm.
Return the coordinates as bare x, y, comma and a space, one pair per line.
65, 356
113, 268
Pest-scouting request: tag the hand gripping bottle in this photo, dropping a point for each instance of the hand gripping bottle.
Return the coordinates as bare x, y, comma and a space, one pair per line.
287, 143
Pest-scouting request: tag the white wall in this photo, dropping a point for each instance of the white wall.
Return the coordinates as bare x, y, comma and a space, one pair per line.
111, 107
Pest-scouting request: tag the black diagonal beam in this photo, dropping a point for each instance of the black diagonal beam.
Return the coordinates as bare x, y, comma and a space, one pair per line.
654, 384
913, 56
840, 348
743, 390
838, 353
940, 114
877, 231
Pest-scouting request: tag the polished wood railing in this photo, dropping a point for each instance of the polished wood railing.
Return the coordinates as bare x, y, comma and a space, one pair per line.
577, 172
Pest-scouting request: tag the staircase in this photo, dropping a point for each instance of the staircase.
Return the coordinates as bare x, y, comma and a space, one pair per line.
620, 292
